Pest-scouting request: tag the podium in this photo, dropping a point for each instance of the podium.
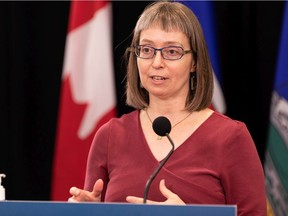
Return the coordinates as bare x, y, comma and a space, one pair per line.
47, 208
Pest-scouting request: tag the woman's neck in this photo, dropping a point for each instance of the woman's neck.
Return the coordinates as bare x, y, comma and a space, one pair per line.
167, 107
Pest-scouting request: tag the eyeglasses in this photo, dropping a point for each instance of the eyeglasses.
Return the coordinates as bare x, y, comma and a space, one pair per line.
169, 53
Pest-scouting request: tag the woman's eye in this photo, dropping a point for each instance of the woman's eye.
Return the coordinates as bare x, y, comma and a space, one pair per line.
172, 51
146, 50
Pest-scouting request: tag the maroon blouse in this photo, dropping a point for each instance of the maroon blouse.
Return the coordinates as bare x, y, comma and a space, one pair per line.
217, 164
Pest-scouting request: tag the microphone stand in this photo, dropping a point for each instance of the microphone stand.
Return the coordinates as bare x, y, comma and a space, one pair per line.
149, 181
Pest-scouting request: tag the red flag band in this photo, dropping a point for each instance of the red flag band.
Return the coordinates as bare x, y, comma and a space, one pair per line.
87, 95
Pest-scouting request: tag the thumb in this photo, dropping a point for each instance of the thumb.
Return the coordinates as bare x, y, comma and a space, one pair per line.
172, 198
164, 190
97, 188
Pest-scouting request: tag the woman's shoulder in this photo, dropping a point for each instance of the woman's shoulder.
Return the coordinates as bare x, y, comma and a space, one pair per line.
225, 122
230, 130
115, 125
125, 121
126, 118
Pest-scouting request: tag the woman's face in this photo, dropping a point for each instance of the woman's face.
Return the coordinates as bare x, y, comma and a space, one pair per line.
164, 78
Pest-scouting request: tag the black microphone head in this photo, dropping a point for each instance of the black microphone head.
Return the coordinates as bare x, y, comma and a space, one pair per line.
161, 126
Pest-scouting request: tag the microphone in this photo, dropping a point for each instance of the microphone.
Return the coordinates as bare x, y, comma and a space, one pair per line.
161, 127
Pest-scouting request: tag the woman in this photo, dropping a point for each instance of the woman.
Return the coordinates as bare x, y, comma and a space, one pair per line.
169, 74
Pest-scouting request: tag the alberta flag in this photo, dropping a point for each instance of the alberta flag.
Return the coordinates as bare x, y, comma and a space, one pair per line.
276, 159
88, 97
204, 10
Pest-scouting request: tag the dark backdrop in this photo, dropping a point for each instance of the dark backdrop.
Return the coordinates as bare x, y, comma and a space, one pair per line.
32, 42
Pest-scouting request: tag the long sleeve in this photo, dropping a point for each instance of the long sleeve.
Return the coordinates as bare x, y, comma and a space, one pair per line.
97, 160
242, 174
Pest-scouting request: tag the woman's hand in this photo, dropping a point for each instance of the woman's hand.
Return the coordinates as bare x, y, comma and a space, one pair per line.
79, 195
172, 198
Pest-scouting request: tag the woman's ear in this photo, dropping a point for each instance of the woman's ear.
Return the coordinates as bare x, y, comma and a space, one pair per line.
193, 67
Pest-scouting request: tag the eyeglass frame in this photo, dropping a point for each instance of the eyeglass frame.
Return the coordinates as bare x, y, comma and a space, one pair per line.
160, 49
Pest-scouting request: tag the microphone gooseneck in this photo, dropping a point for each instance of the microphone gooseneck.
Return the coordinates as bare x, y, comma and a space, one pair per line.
161, 127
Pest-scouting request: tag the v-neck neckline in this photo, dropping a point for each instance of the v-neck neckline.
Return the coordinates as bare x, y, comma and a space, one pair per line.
184, 143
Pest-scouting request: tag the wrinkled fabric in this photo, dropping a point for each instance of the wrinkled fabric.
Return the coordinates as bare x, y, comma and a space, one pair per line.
217, 164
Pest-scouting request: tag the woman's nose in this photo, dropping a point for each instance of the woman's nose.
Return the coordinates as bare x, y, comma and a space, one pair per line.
158, 59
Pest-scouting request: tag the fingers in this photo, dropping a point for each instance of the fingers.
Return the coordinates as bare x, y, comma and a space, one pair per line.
74, 191
172, 198
138, 200
72, 199
164, 190
133, 199
79, 195
97, 188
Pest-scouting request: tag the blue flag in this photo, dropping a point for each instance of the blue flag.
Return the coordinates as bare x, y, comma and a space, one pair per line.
276, 159
204, 10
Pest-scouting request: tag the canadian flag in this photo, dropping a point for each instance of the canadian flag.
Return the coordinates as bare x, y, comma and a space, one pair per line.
87, 96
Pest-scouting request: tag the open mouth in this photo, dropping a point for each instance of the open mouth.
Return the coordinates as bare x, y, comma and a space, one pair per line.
158, 78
